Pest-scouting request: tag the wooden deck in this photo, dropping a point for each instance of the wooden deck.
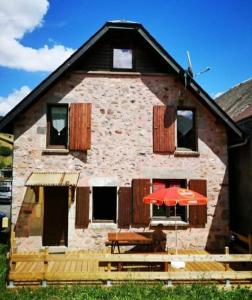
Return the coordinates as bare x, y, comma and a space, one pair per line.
72, 267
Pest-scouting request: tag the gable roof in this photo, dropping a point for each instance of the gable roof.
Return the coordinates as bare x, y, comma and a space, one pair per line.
6, 122
237, 99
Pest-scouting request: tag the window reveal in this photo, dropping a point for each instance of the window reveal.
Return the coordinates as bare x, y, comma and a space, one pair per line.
186, 133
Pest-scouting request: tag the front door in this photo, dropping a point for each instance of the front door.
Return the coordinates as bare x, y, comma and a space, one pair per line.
55, 216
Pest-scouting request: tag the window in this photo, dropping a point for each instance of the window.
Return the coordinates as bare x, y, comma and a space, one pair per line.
57, 126
122, 58
186, 133
71, 130
104, 204
169, 213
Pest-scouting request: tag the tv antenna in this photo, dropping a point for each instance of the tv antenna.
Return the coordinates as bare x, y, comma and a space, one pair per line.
189, 74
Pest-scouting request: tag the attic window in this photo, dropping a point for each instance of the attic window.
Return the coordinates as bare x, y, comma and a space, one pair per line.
122, 59
186, 132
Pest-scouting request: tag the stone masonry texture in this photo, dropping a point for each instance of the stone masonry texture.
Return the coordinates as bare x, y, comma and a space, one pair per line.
122, 149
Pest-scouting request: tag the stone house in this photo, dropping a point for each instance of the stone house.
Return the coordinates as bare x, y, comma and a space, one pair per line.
118, 119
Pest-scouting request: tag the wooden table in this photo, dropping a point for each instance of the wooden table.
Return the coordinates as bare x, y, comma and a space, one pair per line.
117, 239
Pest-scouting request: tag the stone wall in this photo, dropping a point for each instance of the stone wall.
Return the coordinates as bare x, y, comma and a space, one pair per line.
122, 149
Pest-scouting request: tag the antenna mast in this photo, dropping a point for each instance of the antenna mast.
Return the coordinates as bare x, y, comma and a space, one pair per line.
189, 70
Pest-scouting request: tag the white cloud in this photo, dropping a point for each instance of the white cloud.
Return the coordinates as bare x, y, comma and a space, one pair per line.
7, 103
18, 17
217, 95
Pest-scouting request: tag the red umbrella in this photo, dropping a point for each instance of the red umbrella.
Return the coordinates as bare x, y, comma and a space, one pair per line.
173, 196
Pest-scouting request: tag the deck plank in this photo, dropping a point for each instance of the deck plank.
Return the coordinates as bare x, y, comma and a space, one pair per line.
84, 265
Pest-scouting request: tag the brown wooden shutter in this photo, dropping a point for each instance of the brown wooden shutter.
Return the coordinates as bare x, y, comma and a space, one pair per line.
82, 207
80, 126
164, 129
125, 207
141, 211
198, 214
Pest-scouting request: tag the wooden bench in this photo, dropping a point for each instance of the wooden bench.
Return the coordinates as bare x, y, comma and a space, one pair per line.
117, 239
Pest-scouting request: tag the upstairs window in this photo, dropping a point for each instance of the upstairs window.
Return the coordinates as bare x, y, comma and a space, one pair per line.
123, 58
57, 126
69, 130
186, 132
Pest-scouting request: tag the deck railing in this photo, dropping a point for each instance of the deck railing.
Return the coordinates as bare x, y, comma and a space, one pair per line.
111, 267
42, 267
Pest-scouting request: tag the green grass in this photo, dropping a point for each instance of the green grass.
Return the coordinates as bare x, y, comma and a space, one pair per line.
122, 292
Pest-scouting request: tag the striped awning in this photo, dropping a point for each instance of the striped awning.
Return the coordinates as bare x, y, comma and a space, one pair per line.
52, 179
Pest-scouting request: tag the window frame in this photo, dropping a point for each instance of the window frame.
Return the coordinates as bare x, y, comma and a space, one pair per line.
48, 126
195, 131
155, 220
130, 47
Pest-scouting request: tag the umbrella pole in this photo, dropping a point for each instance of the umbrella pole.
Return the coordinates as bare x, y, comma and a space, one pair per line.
176, 233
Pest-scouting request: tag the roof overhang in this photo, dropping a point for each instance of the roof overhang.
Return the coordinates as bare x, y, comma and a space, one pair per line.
52, 179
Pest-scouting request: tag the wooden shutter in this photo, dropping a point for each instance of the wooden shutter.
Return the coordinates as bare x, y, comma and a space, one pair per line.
80, 126
141, 211
125, 207
82, 207
198, 214
164, 129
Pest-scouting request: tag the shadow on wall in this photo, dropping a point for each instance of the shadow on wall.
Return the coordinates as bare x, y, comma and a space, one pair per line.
172, 92
219, 229
209, 131
30, 117
30, 218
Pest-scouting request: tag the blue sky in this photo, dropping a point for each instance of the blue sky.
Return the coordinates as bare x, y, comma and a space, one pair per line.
36, 36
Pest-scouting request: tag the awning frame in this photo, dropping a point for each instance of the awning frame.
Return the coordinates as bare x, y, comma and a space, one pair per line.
63, 179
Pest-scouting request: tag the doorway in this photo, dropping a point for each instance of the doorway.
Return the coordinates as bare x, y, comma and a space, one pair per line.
55, 229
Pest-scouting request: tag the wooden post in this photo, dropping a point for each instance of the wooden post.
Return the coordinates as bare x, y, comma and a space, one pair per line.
46, 252
227, 253
41, 194
12, 264
167, 266
109, 266
69, 196
119, 267
13, 246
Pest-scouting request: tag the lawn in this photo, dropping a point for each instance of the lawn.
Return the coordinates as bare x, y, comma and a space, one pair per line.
125, 291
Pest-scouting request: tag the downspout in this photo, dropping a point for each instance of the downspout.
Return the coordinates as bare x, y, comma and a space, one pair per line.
239, 144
